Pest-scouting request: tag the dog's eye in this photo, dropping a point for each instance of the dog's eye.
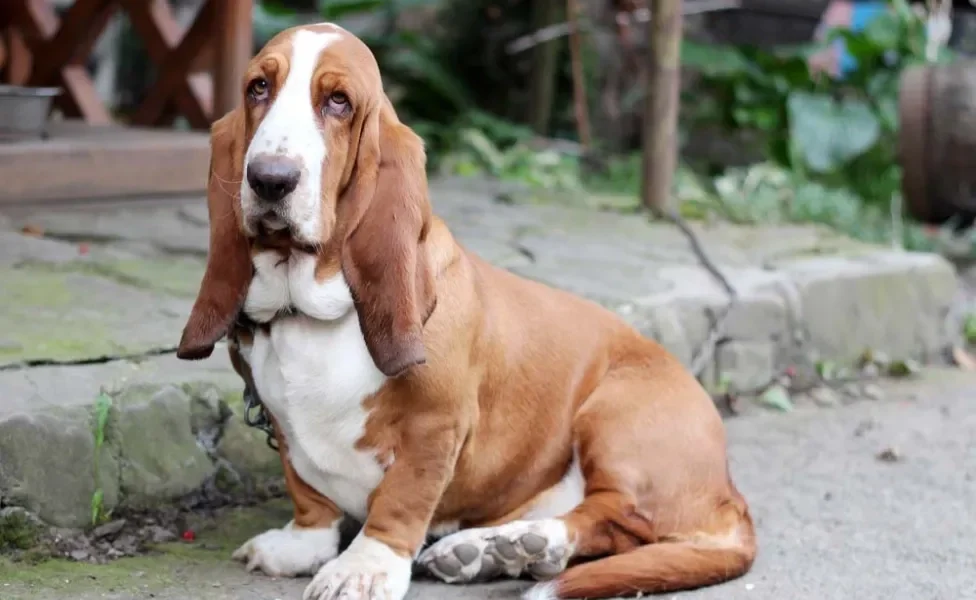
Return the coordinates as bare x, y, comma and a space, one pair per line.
258, 89
337, 105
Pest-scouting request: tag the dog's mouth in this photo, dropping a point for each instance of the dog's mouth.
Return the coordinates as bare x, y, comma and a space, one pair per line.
272, 222
274, 233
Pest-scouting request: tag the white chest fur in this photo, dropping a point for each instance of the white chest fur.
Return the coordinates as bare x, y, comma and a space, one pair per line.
313, 372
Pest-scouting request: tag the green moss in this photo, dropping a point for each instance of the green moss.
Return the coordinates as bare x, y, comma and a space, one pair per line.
235, 401
17, 532
34, 288
128, 574
136, 394
176, 276
218, 538
166, 565
91, 308
44, 317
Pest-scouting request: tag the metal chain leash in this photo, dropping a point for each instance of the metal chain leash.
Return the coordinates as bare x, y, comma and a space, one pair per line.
255, 415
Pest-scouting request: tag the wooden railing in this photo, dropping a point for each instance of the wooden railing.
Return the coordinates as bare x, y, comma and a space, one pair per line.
41, 49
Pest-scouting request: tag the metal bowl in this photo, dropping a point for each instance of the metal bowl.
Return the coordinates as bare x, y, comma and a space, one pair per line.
24, 111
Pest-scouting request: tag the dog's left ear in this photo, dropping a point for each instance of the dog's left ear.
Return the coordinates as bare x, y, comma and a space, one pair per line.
384, 255
229, 268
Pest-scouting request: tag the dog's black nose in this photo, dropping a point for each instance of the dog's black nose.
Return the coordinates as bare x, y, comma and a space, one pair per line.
273, 177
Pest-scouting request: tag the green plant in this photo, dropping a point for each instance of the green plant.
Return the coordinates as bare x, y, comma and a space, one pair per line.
17, 532
102, 410
479, 144
838, 132
447, 77
969, 329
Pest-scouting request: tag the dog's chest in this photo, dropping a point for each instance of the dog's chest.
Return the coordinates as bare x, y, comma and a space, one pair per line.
313, 371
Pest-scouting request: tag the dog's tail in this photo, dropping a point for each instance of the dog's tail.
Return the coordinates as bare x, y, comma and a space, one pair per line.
660, 567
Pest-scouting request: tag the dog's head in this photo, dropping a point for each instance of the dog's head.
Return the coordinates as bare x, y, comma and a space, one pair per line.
315, 160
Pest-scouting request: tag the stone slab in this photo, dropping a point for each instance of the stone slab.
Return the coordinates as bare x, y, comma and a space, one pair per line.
63, 302
172, 428
96, 306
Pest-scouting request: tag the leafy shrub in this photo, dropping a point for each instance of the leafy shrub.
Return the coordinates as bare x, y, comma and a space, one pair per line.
840, 133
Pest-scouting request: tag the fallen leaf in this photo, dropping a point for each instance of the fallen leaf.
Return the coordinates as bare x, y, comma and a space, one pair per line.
826, 369
32, 230
777, 397
964, 360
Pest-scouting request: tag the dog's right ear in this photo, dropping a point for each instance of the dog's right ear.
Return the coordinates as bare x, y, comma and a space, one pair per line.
229, 268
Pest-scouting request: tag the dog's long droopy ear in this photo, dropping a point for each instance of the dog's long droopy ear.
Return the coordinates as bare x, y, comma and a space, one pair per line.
229, 268
384, 257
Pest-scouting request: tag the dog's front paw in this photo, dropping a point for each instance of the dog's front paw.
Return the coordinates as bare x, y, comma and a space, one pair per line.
289, 552
367, 570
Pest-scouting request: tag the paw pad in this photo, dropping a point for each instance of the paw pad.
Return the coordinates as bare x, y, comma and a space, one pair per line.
539, 549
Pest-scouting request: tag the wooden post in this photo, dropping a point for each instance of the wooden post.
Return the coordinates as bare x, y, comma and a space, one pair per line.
545, 66
16, 63
579, 84
661, 109
233, 38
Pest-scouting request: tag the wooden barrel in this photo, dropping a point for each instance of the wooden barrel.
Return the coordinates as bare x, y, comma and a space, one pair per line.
937, 141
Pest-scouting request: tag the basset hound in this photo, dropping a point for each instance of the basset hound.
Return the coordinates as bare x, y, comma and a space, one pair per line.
425, 393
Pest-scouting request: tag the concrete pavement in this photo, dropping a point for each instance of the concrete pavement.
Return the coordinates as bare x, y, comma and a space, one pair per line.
870, 501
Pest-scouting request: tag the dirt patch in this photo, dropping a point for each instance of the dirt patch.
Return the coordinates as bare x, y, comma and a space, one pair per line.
197, 521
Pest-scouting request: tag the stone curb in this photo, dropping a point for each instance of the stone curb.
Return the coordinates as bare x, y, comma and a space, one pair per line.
160, 442
829, 308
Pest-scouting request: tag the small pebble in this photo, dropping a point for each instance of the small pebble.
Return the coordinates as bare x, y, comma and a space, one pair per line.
873, 392
824, 396
108, 529
889, 455
79, 555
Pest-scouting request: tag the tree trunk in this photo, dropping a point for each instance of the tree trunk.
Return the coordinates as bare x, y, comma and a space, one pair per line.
545, 65
661, 109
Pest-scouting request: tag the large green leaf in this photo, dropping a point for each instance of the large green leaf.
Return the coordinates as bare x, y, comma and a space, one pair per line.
424, 68
271, 18
333, 10
826, 133
713, 59
409, 4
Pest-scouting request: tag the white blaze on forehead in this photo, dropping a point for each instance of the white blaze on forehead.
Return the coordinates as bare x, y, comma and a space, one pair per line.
291, 128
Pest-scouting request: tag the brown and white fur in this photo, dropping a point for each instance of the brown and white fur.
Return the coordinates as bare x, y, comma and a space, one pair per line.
424, 392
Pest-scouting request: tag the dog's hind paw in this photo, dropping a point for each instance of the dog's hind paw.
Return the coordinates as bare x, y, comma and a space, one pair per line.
539, 549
